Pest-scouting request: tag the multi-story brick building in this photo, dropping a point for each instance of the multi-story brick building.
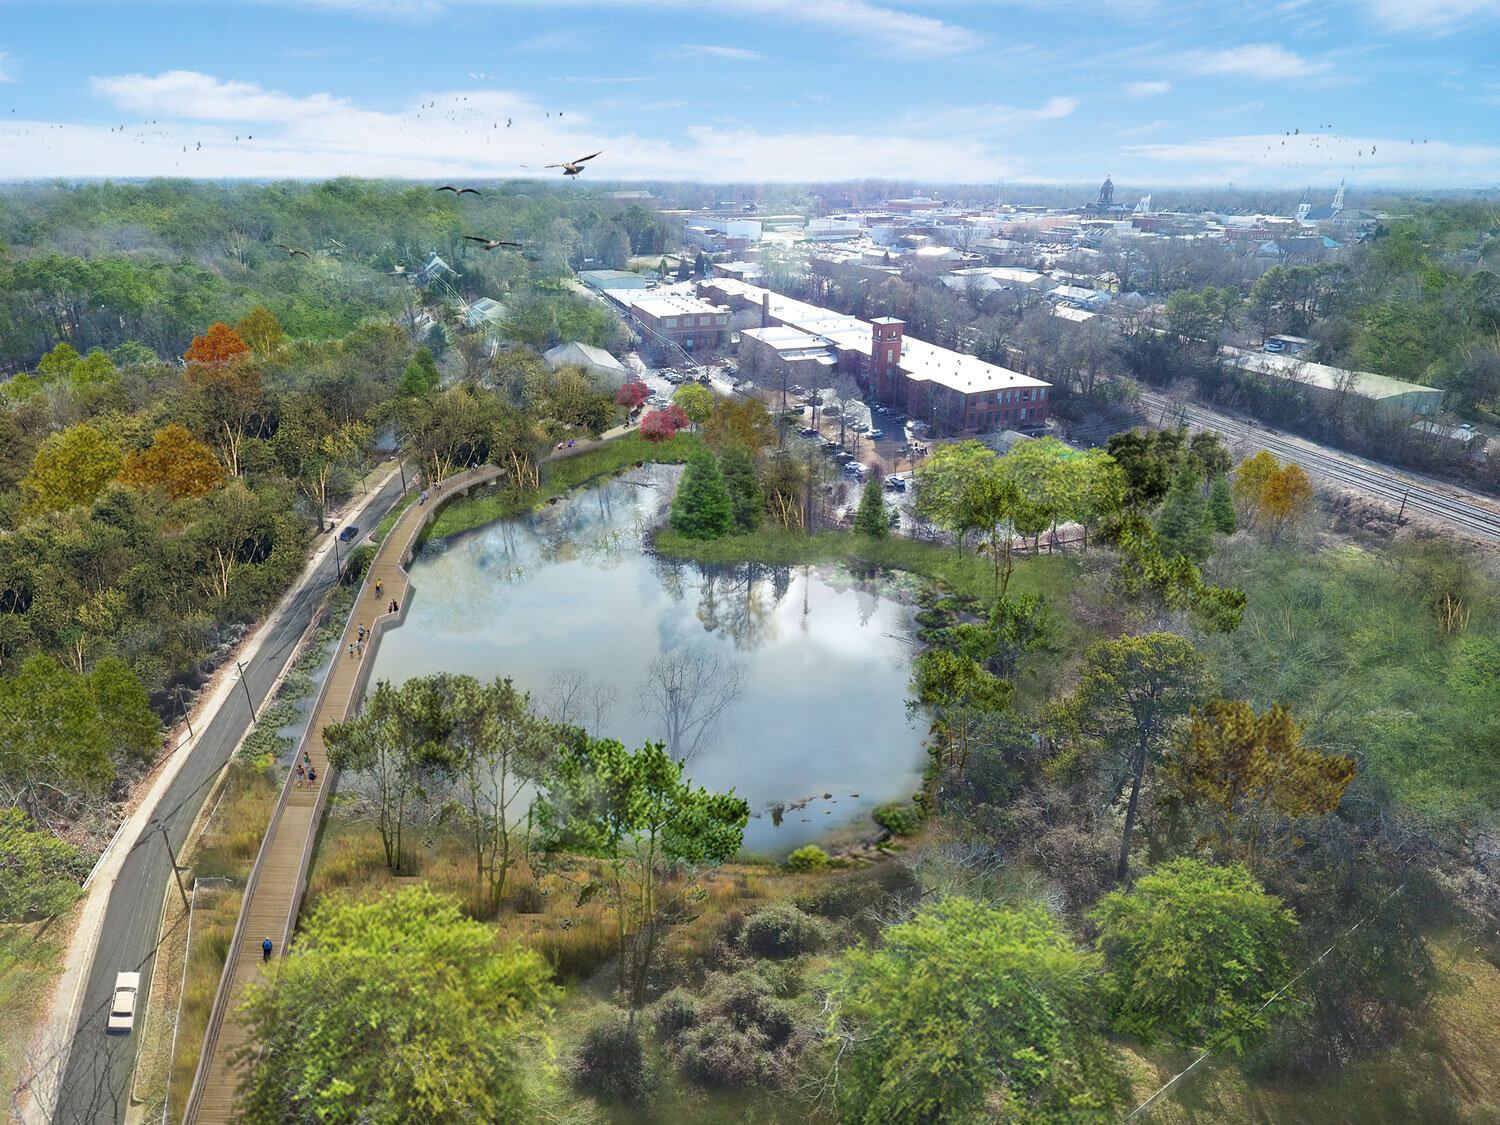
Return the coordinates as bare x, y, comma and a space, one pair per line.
688, 322
955, 392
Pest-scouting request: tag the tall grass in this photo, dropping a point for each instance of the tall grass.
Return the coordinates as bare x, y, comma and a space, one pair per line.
214, 917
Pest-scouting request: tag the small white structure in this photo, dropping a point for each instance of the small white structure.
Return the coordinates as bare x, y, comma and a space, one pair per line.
596, 361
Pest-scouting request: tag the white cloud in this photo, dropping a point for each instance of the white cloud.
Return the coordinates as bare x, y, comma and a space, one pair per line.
1435, 17
1273, 158
1255, 60
5, 74
205, 123
722, 52
909, 33
973, 118
186, 93
1147, 89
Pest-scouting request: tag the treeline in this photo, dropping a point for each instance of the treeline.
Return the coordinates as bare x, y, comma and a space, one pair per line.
98, 265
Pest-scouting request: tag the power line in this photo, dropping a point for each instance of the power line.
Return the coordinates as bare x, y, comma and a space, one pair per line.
1165, 1089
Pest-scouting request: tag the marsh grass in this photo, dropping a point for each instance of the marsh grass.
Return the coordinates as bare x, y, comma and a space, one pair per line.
214, 918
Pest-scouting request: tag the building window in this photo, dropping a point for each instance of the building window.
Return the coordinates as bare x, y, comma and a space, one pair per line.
890, 355
1023, 414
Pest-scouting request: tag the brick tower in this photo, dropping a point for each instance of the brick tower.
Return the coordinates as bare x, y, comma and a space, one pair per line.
885, 355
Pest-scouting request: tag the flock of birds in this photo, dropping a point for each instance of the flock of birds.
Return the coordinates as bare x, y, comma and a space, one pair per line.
1323, 140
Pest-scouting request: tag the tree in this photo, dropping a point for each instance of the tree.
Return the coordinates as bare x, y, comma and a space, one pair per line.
636, 814
176, 462
684, 695
261, 332
421, 376
54, 744
663, 425
1253, 778
992, 505
740, 421
960, 694
1220, 514
398, 741
71, 469
226, 398
1133, 694
941, 480
1286, 498
94, 370
1148, 461
57, 364
632, 396
738, 469
870, 518
498, 747
391, 1009
970, 1012
1194, 950
39, 873
1250, 482
702, 508
696, 401
219, 345
133, 353
1182, 522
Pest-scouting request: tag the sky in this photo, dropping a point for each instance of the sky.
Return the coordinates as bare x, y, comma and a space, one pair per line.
1151, 92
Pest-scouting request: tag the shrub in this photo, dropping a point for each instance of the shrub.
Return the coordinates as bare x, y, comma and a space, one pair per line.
899, 820
717, 1054
676, 1012
746, 1001
609, 1063
809, 857
782, 931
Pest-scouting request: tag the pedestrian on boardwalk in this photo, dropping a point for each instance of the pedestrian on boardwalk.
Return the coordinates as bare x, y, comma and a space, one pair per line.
306, 761
301, 773
423, 498
265, 950
359, 648
351, 648
312, 778
379, 582
361, 630
395, 606
438, 486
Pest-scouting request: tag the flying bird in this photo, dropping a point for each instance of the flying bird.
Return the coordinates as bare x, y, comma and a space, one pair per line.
569, 167
490, 243
460, 191
290, 253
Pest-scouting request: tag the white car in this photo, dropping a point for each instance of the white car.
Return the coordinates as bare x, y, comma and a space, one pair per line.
122, 1011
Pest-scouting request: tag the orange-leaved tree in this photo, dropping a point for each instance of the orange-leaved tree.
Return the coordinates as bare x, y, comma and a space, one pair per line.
1252, 777
1286, 498
175, 461
219, 344
1250, 483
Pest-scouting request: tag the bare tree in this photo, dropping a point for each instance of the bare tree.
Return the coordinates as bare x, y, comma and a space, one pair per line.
685, 693
578, 699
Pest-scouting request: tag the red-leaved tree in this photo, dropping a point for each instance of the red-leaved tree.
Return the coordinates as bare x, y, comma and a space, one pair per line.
219, 344
632, 396
662, 425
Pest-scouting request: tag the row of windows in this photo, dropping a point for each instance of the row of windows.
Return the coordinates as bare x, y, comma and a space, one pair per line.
997, 398
986, 418
687, 321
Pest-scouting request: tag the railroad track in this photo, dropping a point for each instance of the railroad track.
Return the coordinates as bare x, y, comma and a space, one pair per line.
1406, 492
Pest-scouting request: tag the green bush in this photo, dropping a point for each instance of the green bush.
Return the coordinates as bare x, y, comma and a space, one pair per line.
898, 820
782, 931
676, 1012
610, 1064
809, 857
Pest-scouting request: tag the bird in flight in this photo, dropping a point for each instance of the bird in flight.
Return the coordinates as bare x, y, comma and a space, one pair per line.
490, 243
290, 253
460, 191
569, 167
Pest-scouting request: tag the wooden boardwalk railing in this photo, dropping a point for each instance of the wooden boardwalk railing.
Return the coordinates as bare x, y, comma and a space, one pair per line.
273, 891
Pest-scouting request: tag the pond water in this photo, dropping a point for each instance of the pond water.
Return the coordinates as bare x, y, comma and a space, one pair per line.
571, 596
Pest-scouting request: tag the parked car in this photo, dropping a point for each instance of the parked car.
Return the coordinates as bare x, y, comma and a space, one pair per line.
732, 368
815, 400
808, 431
798, 409
855, 469
796, 390
895, 484
349, 533
861, 428
122, 1010
875, 434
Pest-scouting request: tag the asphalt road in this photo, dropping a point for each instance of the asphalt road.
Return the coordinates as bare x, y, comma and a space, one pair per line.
96, 1085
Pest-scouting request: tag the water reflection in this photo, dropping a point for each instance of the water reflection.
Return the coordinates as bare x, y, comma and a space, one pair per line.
569, 594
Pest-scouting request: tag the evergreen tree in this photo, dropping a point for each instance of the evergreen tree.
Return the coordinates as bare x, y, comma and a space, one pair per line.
1220, 514
702, 508
869, 518
738, 469
1181, 522
421, 375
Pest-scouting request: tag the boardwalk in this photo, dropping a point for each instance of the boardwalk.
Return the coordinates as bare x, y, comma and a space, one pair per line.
273, 891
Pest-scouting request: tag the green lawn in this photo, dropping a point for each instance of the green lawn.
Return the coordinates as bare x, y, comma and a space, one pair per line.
558, 476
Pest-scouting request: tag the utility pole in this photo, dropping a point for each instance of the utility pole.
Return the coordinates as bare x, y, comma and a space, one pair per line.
1402, 513
176, 871
245, 683
185, 716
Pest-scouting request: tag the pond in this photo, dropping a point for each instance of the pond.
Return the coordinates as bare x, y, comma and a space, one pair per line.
571, 604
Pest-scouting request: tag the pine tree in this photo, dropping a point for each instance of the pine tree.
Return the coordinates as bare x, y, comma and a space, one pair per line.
1220, 514
869, 518
421, 374
1182, 516
738, 469
702, 508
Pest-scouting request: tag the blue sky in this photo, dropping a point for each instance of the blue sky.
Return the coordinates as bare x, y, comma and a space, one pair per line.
1385, 92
